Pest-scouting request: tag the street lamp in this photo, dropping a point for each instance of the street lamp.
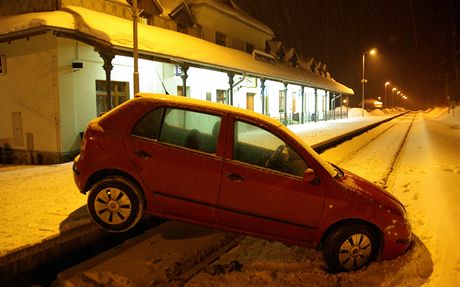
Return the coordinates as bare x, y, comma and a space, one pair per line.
385, 96
397, 93
392, 96
372, 52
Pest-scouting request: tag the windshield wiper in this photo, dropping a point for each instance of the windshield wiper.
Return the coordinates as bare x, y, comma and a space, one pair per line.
340, 172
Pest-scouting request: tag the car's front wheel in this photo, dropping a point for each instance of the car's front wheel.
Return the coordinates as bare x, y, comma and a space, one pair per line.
116, 204
349, 247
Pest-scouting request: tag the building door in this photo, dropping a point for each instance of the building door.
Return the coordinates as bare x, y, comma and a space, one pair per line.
250, 101
180, 91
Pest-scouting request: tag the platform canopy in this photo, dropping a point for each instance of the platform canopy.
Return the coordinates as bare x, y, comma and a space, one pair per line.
107, 32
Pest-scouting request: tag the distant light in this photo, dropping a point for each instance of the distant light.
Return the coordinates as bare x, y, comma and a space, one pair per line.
373, 51
387, 83
394, 89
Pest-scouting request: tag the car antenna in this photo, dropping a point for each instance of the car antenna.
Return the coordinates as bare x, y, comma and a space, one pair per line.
161, 80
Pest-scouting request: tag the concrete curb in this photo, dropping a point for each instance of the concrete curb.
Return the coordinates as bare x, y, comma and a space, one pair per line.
24, 259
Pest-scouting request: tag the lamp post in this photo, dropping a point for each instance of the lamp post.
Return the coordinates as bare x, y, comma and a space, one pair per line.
397, 93
385, 95
392, 96
135, 47
372, 52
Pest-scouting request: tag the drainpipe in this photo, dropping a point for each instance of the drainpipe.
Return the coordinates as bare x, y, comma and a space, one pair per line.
57, 107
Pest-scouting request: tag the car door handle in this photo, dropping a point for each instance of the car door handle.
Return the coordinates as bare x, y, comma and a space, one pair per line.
142, 154
234, 177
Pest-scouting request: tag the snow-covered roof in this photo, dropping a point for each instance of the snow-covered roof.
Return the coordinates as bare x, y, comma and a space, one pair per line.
233, 11
161, 43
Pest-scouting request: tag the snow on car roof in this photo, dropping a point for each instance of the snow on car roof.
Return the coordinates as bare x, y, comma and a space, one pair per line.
161, 43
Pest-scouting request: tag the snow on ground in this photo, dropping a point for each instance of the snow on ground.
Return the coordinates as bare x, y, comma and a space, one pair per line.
428, 182
37, 202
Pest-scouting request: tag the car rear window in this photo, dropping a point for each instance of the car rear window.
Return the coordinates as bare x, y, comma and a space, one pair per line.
149, 125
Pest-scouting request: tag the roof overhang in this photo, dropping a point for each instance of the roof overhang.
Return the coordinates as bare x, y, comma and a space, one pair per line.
92, 27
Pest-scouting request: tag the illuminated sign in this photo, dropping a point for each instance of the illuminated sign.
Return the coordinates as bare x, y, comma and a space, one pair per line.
263, 57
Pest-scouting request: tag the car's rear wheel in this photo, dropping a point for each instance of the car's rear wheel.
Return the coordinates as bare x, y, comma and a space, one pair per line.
349, 247
116, 204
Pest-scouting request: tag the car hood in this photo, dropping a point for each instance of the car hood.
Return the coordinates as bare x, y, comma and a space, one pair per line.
370, 191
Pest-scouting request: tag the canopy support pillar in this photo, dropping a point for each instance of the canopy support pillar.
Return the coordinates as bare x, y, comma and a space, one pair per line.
108, 57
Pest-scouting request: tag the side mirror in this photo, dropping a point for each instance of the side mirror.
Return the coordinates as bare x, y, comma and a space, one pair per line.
309, 175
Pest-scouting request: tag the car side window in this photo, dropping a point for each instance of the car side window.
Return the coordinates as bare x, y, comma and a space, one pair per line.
256, 146
149, 125
190, 129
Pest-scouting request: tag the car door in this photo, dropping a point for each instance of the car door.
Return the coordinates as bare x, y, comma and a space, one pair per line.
174, 151
261, 194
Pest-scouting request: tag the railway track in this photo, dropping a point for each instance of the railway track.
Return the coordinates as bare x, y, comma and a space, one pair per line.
374, 154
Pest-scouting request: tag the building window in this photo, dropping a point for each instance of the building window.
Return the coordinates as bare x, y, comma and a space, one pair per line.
221, 96
119, 93
220, 38
250, 101
208, 96
282, 103
249, 48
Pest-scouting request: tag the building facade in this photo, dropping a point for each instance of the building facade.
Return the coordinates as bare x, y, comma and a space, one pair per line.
65, 62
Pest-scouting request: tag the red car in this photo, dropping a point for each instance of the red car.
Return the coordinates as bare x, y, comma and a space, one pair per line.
233, 169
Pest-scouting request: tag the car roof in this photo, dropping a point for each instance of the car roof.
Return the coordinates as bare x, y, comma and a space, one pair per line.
207, 105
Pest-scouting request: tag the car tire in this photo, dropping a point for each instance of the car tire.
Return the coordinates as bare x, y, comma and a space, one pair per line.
349, 247
116, 204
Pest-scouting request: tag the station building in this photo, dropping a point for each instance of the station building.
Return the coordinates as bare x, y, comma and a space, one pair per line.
65, 62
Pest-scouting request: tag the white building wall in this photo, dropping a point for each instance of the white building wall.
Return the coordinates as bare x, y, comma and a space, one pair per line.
77, 87
203, 81
272, 89
240, 32
29, 87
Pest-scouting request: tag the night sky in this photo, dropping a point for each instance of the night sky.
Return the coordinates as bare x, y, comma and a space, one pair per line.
415, 39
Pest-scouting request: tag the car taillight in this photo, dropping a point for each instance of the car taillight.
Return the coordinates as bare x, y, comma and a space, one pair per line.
83, 144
